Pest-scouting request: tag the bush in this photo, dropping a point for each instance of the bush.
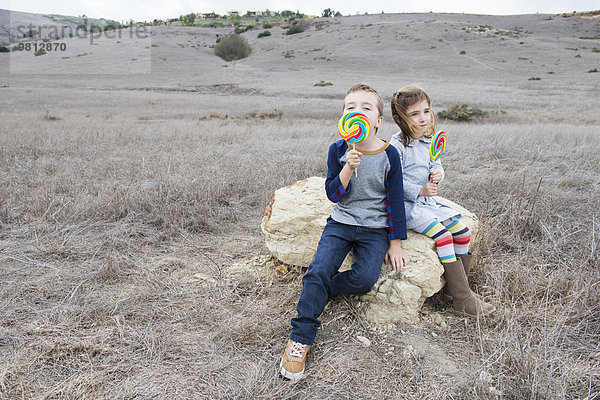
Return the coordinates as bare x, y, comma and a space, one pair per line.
462, 112
4, 49
49, 117
263, 34
296, 28
40, 52
233, 47
242, 29
267, 25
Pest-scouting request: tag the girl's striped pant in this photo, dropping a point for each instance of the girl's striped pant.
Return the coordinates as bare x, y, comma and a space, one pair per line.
451, 238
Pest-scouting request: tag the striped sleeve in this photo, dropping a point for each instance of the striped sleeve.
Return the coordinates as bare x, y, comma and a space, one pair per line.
395, 196
333, 185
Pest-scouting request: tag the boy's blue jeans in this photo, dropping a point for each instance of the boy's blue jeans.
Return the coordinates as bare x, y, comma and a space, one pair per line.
322, 280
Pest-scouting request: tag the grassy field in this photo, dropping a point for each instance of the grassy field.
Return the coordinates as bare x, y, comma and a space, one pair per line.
121, 275
132, 264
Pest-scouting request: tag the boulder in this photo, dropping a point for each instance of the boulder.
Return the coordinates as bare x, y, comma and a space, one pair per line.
292, 225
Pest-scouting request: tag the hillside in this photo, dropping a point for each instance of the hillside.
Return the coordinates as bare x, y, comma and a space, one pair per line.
18, 26
533, 59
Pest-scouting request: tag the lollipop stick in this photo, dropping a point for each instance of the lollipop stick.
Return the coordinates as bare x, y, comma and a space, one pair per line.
355, 169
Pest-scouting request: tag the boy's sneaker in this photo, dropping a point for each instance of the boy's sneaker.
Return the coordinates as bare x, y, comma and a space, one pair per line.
293, 360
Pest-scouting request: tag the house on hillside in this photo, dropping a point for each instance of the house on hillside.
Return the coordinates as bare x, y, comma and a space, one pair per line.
254, 13
211, 15
233, 14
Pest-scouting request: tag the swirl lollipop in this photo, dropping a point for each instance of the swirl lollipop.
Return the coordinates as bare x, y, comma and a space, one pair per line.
354, 127
438, 144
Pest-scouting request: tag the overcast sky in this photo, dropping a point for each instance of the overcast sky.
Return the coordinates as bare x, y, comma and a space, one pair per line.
140, 10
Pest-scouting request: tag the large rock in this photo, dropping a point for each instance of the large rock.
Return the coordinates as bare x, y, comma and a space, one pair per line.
293, 223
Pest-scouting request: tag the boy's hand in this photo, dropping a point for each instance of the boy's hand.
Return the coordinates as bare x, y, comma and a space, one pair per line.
395, 255
429, 189
435, 175
353, 159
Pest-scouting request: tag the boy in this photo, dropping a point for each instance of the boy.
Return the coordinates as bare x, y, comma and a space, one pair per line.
368, 208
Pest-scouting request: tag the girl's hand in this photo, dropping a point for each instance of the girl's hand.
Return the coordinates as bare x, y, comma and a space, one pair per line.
435, 175
353, 159
429, 189
395, 255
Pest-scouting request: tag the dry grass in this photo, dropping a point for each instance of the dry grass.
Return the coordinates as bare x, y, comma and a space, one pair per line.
536, 190
125, 268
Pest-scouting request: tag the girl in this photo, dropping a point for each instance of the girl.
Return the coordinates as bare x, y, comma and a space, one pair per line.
411, 109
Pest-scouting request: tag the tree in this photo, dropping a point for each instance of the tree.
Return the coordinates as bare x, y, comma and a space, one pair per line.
328, 12
189, 19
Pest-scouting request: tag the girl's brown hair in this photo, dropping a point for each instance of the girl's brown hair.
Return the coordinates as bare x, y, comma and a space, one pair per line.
401, 100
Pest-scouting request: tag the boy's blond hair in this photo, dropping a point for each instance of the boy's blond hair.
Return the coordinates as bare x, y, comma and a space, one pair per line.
363, 87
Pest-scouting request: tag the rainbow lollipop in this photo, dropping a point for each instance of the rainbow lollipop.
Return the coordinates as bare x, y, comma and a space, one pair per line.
354, 127
438, 144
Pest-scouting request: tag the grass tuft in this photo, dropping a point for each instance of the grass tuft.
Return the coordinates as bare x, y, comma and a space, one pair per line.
49, 117
462, 112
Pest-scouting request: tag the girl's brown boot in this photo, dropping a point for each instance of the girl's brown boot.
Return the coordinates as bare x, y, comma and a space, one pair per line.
463, 299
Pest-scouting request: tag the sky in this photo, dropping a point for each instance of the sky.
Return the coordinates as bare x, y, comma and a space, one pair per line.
147, 10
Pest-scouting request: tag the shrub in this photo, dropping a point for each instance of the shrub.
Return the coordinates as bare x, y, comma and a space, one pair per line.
462, 112
215, 24
267, 25
263, 34
233, 47
40, 52
296, 28
242, 29
4, 49
265, 115
49, 117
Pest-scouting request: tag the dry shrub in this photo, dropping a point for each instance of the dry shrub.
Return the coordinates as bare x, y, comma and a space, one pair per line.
233, 47
462, 112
